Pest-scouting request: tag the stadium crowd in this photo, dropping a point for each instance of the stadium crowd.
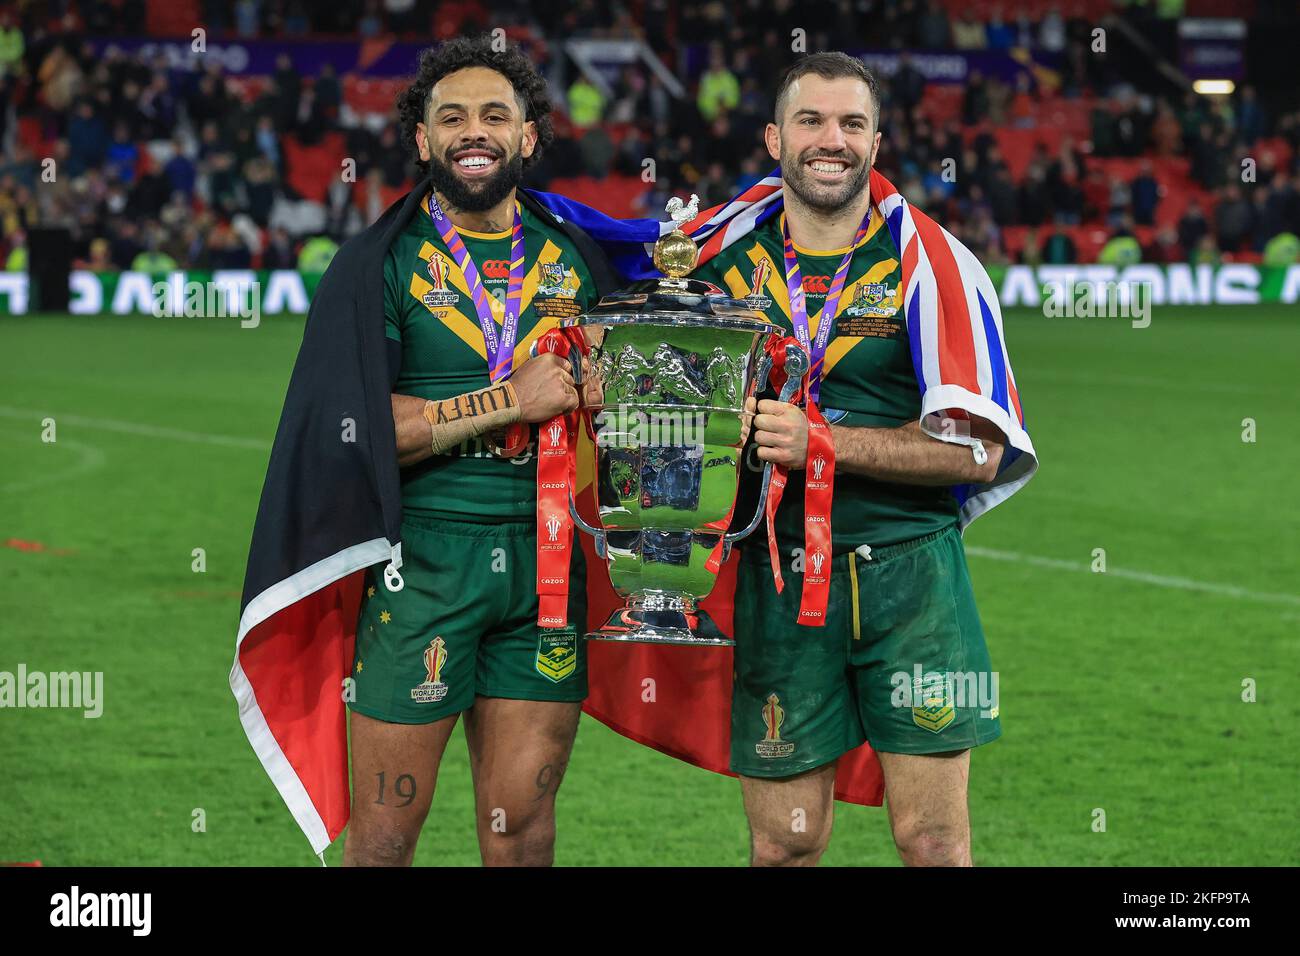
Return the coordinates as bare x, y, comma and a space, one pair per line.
159, 166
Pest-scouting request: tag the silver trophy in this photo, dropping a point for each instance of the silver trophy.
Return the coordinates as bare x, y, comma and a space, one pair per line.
677, 361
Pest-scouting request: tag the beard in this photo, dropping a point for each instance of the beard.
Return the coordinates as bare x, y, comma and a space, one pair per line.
822, 196
480, 195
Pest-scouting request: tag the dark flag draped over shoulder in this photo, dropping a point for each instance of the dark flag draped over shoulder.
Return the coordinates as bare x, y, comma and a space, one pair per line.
331, 507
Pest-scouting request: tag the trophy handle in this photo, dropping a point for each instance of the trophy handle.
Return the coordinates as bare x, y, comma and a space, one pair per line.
764, 369
796, 367
582, 525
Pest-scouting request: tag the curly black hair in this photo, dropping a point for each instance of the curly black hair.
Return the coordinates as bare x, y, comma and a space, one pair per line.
462, 52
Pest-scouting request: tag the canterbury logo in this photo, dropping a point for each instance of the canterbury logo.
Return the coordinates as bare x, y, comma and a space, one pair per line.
496, 269
818, 466
816, 285
553, 527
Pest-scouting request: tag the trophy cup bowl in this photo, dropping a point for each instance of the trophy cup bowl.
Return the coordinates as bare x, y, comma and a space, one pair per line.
677, 361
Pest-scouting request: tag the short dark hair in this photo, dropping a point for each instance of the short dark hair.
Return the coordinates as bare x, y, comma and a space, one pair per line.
462, 52
829, 66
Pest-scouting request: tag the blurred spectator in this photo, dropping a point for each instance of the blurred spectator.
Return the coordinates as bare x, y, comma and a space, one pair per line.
907, 85
16, 261
719, 88
402, 15
1165, 249
12, 45
932, 27
1146, 195
975, 101
1250, 117
968, 33
1051, 31
1233, 219
597, 152
278, 253
122, 154
1192, 226
1282, 250
316, 254
1001, 36
1205, 253
246, 18
586, 104
99, 260
1059, 248
180, 170
60, 79
87, 139
152, 261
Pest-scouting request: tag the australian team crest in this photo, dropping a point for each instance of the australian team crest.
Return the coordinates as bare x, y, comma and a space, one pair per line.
433, 689
772, 746
557, 652
936, 710
556, 279
873, 298
440, 296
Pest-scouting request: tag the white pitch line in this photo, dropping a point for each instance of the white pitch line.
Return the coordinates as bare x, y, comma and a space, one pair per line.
136, 428
91, 459
1159, 580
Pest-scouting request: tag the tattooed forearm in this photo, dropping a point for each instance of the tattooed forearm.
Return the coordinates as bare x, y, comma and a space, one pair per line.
495, 398
425, 428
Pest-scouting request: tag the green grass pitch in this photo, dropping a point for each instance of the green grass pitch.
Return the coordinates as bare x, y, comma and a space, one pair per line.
1120, 691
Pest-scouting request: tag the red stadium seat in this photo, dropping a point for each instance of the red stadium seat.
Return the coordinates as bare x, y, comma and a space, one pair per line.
311, 169
613, 195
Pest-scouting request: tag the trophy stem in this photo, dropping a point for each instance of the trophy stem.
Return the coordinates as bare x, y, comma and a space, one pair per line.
661, 617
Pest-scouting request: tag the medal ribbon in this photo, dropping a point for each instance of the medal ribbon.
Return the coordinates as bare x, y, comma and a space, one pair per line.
557, 477
500, 351
819, 483
816, 348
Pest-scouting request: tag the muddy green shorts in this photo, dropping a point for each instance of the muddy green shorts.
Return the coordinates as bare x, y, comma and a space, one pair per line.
465, 625
901, 661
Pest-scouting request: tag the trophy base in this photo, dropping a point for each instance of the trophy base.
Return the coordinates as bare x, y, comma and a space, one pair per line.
661, 621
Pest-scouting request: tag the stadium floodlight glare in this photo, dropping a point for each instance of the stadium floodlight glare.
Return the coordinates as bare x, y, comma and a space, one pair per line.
1214, 87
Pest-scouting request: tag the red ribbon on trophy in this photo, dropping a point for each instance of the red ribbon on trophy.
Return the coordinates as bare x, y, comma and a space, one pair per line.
819, 483
557, 475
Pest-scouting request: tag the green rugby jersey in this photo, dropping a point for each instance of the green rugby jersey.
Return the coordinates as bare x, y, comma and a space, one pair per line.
868, 380
429, 310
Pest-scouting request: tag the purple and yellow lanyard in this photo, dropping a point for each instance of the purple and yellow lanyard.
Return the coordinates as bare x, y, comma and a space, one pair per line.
500, 352
816, 348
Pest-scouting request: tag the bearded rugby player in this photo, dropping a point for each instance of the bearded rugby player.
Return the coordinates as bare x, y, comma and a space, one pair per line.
900, 595
461, 638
